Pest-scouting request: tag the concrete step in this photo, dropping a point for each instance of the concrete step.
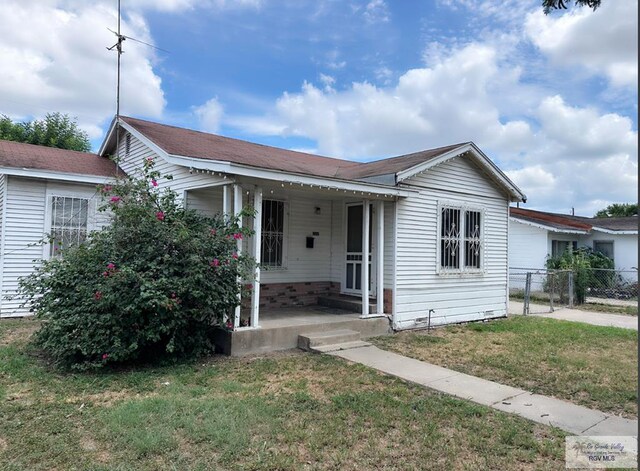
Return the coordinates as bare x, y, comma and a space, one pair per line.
348, 303
318, 339
340, 346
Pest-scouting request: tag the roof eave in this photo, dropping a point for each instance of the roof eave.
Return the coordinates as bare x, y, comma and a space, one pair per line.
232, 168
548, 228
53, 175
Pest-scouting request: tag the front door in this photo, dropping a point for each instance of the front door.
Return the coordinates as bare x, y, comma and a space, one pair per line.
354, 255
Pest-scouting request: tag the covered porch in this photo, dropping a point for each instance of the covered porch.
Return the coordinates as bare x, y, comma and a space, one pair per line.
311, 242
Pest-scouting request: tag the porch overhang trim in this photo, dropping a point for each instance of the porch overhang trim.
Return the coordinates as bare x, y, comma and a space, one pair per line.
287, 178
492, 169
548, 228
610, 231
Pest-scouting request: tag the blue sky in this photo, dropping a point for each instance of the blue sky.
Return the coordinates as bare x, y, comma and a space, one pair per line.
552, 99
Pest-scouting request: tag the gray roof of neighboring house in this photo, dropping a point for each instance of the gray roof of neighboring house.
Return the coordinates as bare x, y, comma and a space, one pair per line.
571, 222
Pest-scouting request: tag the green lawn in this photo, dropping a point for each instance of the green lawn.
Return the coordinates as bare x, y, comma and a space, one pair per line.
283, 411
592, 366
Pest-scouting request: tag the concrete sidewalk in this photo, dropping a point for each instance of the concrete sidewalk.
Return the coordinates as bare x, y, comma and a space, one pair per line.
576, 315
574, 419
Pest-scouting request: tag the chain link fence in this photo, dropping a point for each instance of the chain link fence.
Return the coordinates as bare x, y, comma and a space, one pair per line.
541, 290
614, 287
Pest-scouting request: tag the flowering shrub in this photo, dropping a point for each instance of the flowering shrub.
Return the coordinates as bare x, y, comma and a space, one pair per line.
152, 284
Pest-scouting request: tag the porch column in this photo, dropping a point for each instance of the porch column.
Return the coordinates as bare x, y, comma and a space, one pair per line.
257, 247
380, 258
365, 258
226, 199
237, 207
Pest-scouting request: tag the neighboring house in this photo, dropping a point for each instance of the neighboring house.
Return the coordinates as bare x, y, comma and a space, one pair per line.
436, 221
43, 190
536, 235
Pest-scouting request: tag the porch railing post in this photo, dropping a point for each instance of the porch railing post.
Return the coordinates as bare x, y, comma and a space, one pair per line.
380, 258
237, 208
364, 279
257, 247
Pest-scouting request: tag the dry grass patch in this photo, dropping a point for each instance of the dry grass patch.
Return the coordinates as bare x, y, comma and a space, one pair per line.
589, 365
288, 411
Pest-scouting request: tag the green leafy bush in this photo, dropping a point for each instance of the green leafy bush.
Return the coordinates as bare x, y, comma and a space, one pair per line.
153, 284
582, 262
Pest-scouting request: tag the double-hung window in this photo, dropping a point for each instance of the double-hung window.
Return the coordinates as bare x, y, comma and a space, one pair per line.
273, 231
460, 239
69, 221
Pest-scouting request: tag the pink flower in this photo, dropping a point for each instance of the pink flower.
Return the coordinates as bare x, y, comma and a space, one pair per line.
110, 266
105, 273
149, 159
173, 295
215, 262
234, 256
237, 236
98, 295
106, 188
154, 182
115, 199
160, 216
105, 356
229, 325
213, 231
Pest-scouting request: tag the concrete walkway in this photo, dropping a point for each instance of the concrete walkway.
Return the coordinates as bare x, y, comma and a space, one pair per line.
574, 419
589, 317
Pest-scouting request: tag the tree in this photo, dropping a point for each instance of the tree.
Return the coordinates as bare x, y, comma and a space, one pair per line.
551, 5
153, 284
55, 130
618, 210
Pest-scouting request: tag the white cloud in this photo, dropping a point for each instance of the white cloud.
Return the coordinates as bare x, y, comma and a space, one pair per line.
376, 11
55, 59
209, 115
448, 102
561, 155
604, 41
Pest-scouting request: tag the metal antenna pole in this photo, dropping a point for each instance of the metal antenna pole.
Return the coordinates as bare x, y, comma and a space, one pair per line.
117, 128
118, 47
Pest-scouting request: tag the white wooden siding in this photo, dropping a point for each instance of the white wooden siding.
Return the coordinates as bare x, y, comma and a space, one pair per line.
207, 201
450, 297
527, 245
25, 226
3, 187
182, 178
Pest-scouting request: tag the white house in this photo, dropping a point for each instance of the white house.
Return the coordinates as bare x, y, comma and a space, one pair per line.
430, 227
437, 221
43, 190
536, 235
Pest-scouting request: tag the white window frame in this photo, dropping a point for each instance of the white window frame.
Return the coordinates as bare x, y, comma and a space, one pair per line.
91, 208
285, 236
463, 270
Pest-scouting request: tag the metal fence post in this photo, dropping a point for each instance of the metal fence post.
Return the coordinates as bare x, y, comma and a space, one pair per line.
527, 294
570, 289
552, 281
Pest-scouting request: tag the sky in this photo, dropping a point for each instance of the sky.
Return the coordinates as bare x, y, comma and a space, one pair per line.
551, 99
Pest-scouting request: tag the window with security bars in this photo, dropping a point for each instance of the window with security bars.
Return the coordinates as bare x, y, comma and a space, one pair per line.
69, 219
273, 224
460, 239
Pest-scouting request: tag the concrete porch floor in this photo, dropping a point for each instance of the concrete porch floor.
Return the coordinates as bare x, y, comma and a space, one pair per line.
279, 329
